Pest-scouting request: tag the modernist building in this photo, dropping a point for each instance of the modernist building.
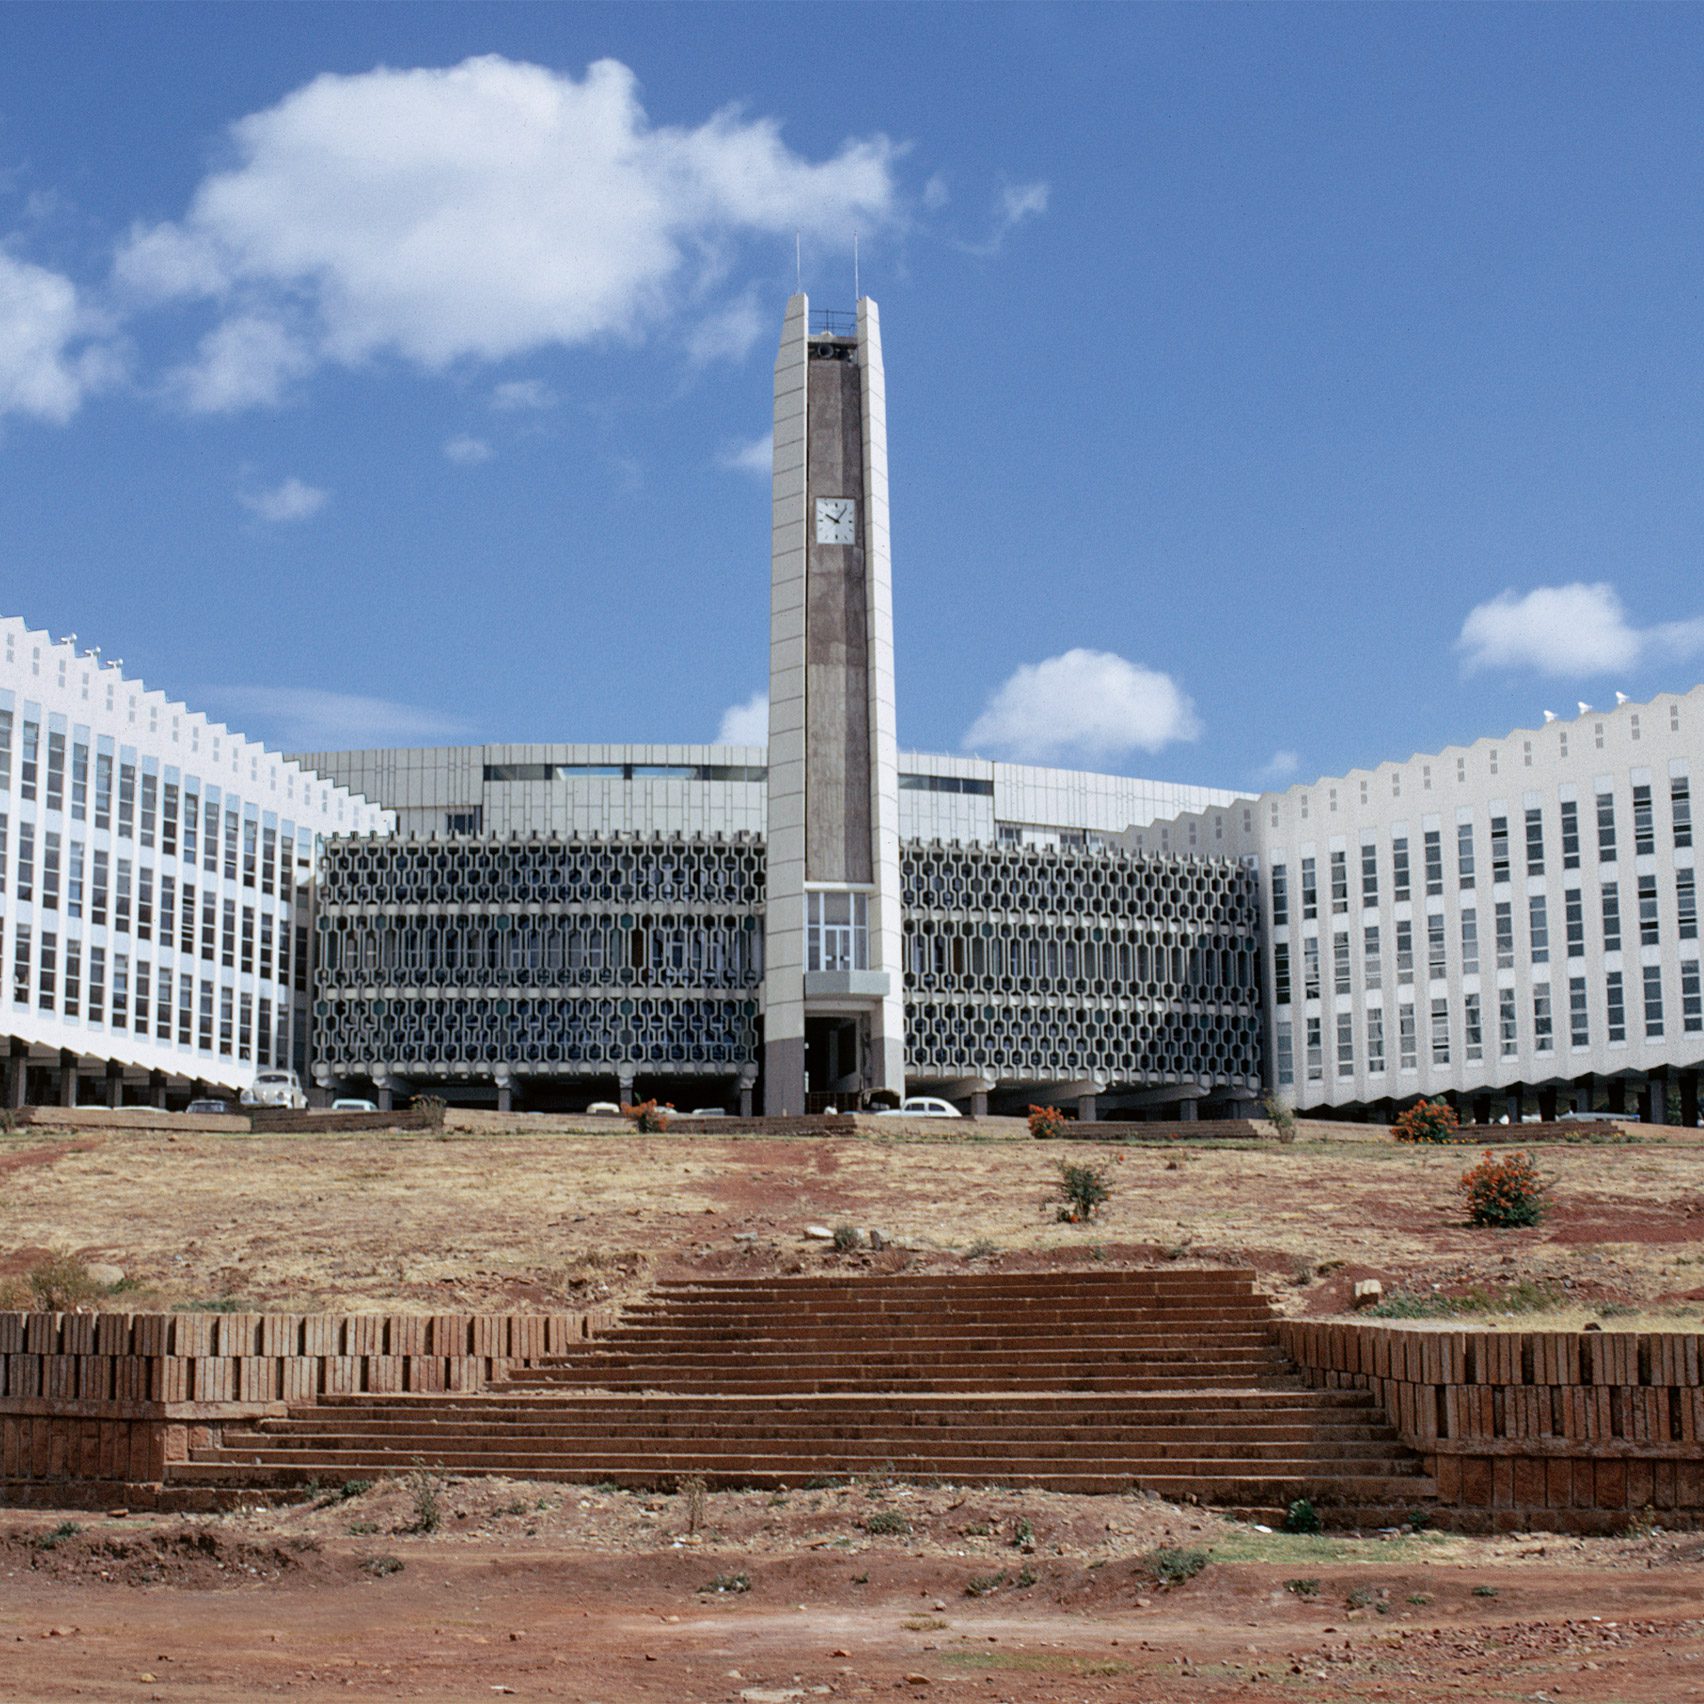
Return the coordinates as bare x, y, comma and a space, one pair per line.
155, 871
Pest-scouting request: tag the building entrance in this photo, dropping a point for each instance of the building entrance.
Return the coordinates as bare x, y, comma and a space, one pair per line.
837, 1048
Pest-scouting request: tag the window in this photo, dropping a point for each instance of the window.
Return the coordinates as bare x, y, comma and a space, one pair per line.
1543, 1032
185, 1007
1310, 968
186, 936
1310, 891
1473, 1032
1644, 822
103, 789
1404, 951
1538, 924
1691, 1006
5, 751
1570, 835
837, 931
21, 965
1611, 918
50, 871
1508, 1031
26, 860
73, 976
55, 771
1339, 883
1435, 944
1369, 874
1346, 1044
1579, 1029
1440, 1032
74, 880
1281, 972
1649, 929
1606, 828
1680, 801
1653, 999
1280, 896
1375, 1039
150, 808
1371, 973
1399, 882
1316, 1051
1574, 914
1615, 1006
1505, 926
29, 766
1535, 841
1340, 963
98, 890
127, 800
1434, 863
47, 977
1499, 849
80, 780
205, 1015
1470, 942
121, 991
144, 902
228, 937
1407, 1049
1464, 853
1286, 1054
1686, 904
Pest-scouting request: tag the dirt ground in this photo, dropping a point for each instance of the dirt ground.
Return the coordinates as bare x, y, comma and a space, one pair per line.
421, 1222
532, 1592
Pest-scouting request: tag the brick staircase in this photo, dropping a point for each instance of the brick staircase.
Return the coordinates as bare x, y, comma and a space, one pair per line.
1072, 1381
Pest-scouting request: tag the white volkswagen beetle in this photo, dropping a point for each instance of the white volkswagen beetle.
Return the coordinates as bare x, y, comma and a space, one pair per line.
275, 1087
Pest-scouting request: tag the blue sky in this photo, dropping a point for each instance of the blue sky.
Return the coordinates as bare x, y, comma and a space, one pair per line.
1271, 390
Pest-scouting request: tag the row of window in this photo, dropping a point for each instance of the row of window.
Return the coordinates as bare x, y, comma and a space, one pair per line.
1503, 914
63, 975
180, 819
1441, 1037
1401, 875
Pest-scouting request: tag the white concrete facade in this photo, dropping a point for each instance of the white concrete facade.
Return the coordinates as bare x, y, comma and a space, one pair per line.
155, 869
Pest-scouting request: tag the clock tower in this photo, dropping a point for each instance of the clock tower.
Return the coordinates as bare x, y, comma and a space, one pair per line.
834, 1009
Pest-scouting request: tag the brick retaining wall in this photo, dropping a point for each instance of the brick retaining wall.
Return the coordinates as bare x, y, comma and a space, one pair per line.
1571, 1431
93, 1406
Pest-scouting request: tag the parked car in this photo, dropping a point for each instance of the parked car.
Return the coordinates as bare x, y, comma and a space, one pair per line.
208, 1104
708, 1112
922, 1106
353, 1103
605, 1106
275, 1087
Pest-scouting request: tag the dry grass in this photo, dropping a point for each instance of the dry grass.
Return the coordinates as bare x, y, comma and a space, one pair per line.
424, 1221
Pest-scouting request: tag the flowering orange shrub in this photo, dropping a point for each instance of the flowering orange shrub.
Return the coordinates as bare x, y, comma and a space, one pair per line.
648, 1118
1504, 1191
1429, 1121
1047, 1122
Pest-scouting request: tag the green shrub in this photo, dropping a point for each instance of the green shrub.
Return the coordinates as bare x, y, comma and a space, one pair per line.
1302, 1588
728, 1583
1301, 1516
1505, 1192
1047, 1123
379, 1566
60, 1283
1282, 1117
1428, 1121
887, 1522
846, 1238
1084, 1188
1171, 1567
980, 1585
425, 1493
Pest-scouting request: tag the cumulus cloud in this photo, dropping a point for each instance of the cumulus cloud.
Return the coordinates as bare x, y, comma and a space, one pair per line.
1280, 767
47, 363
1089, 704
243, 362
302, 718
290, 500
466, 451
1568, 631
515, 396
1016, 204
755, 455
492, 208
747, 723
727, 333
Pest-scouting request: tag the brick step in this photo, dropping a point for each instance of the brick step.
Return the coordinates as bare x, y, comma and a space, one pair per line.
1272, 1489
762, 1357
930, 1337
948, 1307
1040, 1380
1169, 1280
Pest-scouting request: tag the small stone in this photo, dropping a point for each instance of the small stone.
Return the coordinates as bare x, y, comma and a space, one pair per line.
118, 1514
104, 1273
1368, 1292
917, 1680
878, 1239
819, 1233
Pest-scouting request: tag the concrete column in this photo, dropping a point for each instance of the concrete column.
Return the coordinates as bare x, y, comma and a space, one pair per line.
745, 1100
1188, 1110
505, 1095
17, 1073
1481, 1109
979, 1104
1651, 1100
67, 1077
385, 1096
157, 1090
624, 1078
1514, 1106
1689, 1098
1547, 1105
1615, 1094
114, 1084
1085, 1109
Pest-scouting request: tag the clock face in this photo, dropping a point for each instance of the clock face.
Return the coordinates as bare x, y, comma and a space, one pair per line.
837, 520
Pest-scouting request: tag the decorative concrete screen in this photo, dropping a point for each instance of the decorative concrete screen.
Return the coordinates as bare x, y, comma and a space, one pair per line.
566, 956
1026, 964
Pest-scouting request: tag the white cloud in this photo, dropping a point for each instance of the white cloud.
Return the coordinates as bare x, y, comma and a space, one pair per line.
515, 396
727, 333
302, 718
746, 724
1568, 631
755, 455
290, 500
47, 366
467, 452
243, 362
1015, 205
493, 208
1091, 704
1280, 767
